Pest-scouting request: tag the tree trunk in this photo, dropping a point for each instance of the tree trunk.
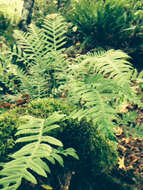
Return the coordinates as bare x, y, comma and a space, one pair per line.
26, 14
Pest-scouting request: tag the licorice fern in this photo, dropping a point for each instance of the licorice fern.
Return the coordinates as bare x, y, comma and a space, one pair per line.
41, 51
113, 64
95, 98
35, 45
34, 132
99, 84
55, 32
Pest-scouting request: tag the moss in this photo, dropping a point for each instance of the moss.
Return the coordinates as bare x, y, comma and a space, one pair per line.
43, 107
8, 124
96, 154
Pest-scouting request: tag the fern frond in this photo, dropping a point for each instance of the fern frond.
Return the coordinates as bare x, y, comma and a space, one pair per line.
97, 105
41, 50
32, 45
38, 146
113, 63
137, 76
99, 83
55, 30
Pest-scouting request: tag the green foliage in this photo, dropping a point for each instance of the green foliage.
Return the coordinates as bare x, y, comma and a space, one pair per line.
43, 107
113, 64
93, 149
10, 15
89, 144
8, 123
34, 132
41, 53
12, 9
130, 125
107, 24
41, 9
5, 27
99, 84
7, 84
96, 85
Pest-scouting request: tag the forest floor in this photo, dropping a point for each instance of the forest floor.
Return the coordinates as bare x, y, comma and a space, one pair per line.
130, 151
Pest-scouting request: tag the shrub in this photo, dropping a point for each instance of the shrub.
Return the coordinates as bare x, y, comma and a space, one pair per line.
107, 24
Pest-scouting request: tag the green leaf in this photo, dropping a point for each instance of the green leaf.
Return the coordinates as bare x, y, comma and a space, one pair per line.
36, 167
59, 159
27, 139
29, 177
55, 117
52, 140
49, 128
9, 179
27, 131
42, 164
47, 187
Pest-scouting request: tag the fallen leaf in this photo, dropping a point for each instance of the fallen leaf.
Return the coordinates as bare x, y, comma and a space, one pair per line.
124, 107
121, 163
47, 187
122, 148
126, 140
119, 131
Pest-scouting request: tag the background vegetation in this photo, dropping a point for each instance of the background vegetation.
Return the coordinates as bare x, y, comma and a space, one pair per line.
71, 84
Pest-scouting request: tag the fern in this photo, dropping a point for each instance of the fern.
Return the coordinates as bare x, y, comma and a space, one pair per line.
41, 51
113, 64
35, 134
95, 98
55, 32
37, 43
107, 24
99, 84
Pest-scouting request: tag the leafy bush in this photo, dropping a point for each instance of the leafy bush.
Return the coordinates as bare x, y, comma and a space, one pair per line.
107, 24
12, 9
